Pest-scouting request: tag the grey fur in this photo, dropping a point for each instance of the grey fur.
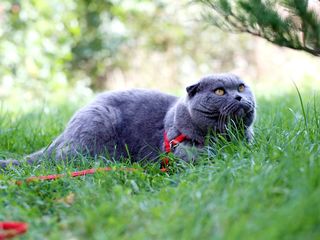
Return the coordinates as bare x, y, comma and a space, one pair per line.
131, 123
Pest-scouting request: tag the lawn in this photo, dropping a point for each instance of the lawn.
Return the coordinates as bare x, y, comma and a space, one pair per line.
267, 190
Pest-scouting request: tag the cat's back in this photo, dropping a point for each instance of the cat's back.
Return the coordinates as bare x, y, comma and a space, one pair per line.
131, 106
136, 97
138, 107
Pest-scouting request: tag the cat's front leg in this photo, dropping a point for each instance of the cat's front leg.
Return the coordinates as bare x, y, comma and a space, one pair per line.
249, 134
187, 152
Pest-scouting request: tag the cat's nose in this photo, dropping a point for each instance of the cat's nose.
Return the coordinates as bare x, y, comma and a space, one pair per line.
238, 98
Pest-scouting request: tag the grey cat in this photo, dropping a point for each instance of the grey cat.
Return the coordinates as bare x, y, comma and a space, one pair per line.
132, 124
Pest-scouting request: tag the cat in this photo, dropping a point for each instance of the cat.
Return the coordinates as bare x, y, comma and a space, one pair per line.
140, 124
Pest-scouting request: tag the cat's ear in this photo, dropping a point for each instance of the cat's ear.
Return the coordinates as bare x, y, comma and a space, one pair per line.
193, 89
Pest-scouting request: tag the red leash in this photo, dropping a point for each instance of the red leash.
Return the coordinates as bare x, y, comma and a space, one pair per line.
74, 174
12, 229
169, 145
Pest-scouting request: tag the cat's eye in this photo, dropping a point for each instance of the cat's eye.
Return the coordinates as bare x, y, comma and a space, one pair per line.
241, 88
219, 91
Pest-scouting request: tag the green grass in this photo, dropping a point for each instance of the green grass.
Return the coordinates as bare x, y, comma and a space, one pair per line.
270, 190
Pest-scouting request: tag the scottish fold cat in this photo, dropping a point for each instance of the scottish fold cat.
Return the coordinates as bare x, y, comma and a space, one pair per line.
139, 124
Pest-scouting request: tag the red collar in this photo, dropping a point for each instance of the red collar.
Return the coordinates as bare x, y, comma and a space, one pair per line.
169, 145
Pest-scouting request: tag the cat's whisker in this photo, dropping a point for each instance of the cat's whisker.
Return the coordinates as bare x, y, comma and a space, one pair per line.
249, 104
223, 116
221, 120
250, 107
230, 109
219, 125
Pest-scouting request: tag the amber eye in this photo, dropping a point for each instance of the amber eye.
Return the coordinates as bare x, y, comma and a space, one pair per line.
219, 91
241, 87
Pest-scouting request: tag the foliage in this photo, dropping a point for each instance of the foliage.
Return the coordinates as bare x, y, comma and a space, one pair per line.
290, 23
52, 41
269, 190
46, 46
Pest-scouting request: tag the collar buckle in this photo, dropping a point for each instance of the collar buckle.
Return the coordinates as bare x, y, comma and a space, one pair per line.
173, 144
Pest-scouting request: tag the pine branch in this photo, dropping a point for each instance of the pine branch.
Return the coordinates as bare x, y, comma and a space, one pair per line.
293, 24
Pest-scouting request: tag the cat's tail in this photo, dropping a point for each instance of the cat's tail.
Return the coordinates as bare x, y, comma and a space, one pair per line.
9, 162
57, 151
30, 159
53, 151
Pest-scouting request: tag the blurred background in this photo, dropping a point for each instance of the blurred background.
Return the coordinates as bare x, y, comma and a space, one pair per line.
57, 51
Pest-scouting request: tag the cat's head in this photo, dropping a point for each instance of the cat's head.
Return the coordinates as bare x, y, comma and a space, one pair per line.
217, 98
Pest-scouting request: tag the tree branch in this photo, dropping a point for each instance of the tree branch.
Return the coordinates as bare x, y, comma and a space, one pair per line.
298, 28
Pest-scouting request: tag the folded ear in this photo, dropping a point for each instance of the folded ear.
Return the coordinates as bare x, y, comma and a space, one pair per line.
193, 89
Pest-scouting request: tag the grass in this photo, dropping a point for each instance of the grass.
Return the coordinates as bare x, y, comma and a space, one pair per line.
270, 190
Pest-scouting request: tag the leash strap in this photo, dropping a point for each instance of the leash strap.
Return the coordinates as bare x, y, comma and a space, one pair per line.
169, 145
74, 174
12, 229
